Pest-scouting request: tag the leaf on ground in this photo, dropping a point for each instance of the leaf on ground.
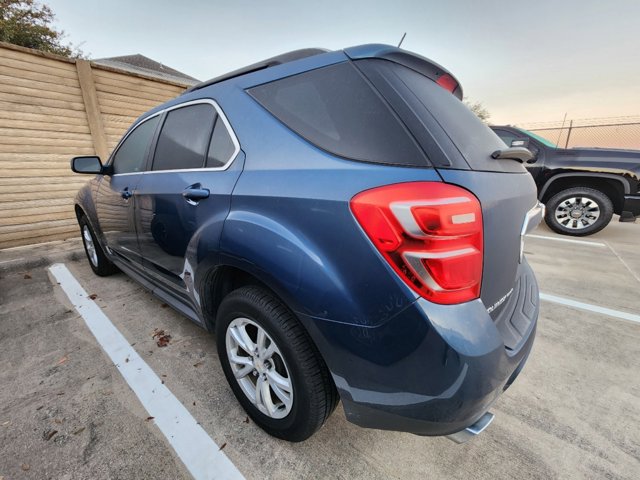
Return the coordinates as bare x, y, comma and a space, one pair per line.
93, 296
62, 360
6, 423
25, 467
27, 276
57, 420
78, 431
197, 364
49, 435
42, 406
162, 338
223, 445
150, 418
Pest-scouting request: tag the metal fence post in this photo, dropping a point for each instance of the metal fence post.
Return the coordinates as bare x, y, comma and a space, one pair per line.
566, 144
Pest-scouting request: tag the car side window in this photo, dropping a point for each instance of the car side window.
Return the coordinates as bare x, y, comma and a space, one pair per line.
185, 137
221, 147
132, 153
506, 137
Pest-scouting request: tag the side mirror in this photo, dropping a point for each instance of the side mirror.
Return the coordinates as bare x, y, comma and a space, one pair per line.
520, 142
90, 165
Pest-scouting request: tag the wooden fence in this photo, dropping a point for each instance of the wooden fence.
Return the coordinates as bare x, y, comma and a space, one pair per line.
51, 109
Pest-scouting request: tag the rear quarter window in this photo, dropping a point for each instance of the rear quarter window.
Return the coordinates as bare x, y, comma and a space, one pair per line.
335, 109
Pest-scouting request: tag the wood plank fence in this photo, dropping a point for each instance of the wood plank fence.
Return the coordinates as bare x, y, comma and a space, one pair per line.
51, 109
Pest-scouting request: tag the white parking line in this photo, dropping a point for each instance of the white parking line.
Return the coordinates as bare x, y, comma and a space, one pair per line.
568, 240
590, 308
199, 453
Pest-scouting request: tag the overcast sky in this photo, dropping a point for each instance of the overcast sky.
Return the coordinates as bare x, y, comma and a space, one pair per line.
526, 61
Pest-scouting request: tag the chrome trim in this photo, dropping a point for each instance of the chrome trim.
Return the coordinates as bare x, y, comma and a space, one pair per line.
221, 114
402, 211
474, 430
117, 147
531, 220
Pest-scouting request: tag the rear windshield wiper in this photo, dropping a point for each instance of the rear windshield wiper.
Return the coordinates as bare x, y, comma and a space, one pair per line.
519, 154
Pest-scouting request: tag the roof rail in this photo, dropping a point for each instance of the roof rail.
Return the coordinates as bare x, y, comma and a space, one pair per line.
269, 62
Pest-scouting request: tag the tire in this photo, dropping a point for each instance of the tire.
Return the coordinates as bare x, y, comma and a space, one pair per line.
98, 261
595, 208
295, 360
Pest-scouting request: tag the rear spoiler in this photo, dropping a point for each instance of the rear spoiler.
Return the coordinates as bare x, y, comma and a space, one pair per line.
415, 62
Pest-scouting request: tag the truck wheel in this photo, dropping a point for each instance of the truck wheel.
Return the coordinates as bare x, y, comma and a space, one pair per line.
98, 261
273, 368
579, 211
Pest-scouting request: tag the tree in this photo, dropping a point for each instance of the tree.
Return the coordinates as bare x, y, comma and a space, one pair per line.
29, 23
479, 109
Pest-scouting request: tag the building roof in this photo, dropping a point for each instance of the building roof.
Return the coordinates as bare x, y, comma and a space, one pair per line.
146, 66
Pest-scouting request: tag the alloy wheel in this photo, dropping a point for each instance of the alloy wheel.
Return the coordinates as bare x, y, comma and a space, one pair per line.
577, 213
259, 368
89, 245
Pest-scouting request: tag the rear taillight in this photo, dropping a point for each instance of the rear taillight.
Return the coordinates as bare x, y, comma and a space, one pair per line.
430, 233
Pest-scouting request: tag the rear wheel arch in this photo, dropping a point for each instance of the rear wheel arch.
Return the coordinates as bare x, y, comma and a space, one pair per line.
611, 185
79, 212
221, 280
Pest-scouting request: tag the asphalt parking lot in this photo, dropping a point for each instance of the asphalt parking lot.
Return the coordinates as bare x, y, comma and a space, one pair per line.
66, 411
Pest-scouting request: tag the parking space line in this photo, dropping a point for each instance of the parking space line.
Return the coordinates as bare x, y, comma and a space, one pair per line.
590, 308
199, 453
626, 265
568, 240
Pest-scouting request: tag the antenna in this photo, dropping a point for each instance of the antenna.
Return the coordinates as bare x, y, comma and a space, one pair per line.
561, 128
402, 39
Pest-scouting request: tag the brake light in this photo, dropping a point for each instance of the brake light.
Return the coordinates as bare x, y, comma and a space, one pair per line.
430, 233
447, 82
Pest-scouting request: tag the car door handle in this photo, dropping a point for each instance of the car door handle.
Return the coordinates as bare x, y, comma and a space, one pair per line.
195, 193
126, 194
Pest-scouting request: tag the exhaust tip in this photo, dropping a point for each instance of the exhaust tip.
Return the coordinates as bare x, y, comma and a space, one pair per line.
472, 431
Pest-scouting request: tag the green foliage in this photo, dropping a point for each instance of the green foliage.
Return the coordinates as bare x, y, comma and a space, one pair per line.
29, 23
479, 109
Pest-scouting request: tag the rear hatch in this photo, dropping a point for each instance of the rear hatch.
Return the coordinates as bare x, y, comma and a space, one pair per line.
459, 145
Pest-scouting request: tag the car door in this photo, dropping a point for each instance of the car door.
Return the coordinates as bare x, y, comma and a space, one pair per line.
183, 199
115, 202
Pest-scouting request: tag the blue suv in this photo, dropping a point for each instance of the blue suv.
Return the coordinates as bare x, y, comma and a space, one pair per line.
347, 228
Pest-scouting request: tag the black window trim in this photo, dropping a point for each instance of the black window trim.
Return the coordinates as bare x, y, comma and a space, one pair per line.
154, 139
123, 139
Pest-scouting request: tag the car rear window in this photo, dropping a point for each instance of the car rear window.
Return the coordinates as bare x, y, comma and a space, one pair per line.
437, 109
335, 109
184, 137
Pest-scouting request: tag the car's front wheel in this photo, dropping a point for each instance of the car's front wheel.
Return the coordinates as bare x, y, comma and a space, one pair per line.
579, 211
273, 368
98, 261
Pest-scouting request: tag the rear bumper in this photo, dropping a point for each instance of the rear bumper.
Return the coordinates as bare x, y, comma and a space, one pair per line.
632, 205
432, 369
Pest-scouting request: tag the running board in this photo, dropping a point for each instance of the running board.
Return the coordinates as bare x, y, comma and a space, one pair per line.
474, 430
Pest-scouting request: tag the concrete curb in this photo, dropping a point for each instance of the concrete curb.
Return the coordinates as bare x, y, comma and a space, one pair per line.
40, 255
